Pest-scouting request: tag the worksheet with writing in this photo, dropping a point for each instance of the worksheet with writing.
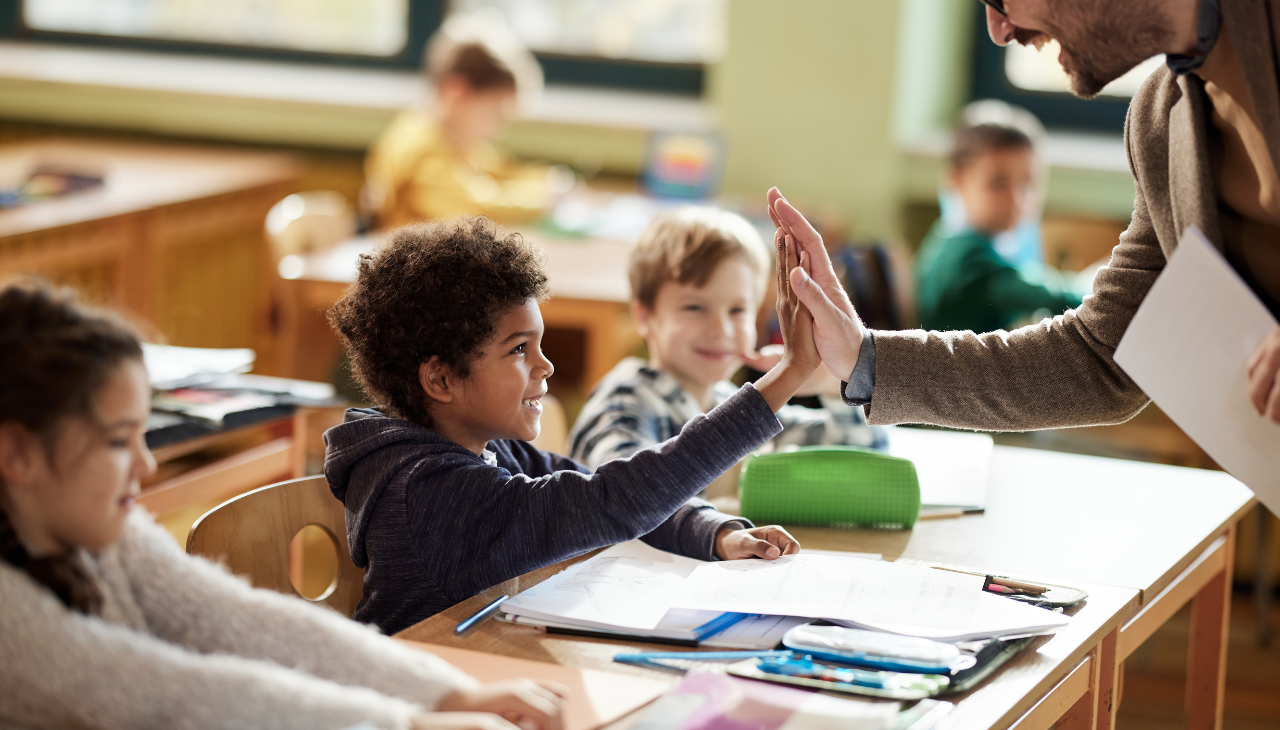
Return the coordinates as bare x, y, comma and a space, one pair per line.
837, 587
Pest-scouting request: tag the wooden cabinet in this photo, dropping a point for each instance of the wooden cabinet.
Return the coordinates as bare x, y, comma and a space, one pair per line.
173, 238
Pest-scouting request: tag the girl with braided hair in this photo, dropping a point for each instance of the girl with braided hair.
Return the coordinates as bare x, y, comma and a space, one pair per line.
106, 623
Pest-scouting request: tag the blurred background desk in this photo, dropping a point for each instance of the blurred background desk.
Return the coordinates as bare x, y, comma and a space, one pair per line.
173, 236
588, 313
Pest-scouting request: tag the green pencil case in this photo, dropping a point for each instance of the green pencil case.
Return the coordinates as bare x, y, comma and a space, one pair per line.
830, 486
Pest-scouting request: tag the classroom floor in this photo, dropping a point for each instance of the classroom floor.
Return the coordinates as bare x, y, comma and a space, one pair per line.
1155, 674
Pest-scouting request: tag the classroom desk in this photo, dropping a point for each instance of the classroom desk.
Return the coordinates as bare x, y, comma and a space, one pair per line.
174, 236
1143, 539
589, 293
196, 474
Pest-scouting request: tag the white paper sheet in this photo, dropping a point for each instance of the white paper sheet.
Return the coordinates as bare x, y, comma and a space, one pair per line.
828, 586
995, 616
630, 585
1187, 348
171, 367
953, 468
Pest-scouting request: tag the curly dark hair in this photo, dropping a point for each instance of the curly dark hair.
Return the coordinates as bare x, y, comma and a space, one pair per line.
434, 289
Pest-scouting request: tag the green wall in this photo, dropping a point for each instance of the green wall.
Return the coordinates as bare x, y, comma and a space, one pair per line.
805, 95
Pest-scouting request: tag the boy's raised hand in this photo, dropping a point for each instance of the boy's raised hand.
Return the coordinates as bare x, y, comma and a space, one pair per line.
837, 329
800, 356
769, 542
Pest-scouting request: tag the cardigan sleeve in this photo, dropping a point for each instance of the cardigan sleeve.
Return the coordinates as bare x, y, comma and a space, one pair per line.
60, 668
193, 603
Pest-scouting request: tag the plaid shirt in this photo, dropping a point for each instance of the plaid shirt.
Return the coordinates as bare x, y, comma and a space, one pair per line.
637, 406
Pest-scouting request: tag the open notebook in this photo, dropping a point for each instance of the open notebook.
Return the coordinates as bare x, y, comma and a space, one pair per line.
635, 590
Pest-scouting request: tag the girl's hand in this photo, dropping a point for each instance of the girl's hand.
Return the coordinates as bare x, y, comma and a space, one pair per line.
461, 721
527, 704
769, 542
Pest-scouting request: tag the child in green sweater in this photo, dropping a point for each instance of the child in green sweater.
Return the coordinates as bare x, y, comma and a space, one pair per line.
962, 281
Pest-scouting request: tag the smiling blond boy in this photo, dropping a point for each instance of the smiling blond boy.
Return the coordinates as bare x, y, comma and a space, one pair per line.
698, 276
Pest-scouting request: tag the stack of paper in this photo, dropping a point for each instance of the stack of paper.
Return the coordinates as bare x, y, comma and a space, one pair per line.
629, 589
637, 590
182, 367
891, 597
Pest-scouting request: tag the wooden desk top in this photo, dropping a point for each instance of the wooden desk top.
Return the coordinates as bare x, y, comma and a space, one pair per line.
995, 703
589, 269
138, 177
1073, 519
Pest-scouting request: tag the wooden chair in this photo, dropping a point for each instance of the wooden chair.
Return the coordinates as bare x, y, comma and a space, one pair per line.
251, 534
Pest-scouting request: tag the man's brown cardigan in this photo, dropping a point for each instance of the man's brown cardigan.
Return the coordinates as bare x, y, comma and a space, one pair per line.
1060, 372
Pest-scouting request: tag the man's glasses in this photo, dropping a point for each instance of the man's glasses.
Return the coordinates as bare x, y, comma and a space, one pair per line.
996, 5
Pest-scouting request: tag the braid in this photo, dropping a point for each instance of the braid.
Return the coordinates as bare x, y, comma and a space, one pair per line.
55, 354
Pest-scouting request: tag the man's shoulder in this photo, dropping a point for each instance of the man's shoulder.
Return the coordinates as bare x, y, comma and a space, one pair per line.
1147, 121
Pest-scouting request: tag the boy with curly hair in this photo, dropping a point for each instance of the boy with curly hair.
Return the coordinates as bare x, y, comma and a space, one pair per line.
697, 277
444, 494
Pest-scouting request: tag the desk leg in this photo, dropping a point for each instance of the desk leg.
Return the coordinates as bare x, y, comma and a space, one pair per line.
1110, 681
1096, 709
1207, 658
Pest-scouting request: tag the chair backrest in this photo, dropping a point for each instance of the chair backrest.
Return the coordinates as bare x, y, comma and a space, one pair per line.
251, 534
309, 222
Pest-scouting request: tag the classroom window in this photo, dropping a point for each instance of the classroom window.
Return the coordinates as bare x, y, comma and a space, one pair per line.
378, 28
660, 31
652, 45
655, 45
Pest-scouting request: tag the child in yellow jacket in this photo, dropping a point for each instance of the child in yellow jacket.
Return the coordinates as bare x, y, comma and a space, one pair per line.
440, 162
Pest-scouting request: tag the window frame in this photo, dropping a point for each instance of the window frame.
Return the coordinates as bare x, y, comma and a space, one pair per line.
425, 16
1059, 111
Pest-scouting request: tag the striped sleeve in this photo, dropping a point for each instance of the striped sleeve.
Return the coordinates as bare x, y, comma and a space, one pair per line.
614, 427
833, 424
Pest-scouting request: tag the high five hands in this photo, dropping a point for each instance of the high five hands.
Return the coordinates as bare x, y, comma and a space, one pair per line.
837, 330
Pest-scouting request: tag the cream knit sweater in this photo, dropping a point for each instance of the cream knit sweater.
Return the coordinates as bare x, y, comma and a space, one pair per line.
183, 644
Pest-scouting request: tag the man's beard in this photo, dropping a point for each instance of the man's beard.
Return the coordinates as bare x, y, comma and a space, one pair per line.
1103, 40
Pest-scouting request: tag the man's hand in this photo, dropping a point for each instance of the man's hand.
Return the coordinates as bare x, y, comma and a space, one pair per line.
822, 382
837, 330
1264, 383
527, 704
767, 542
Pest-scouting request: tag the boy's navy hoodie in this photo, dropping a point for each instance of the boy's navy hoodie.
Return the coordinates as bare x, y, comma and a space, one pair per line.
434, 523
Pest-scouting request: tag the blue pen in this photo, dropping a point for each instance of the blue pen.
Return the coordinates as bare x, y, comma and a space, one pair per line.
717, 625
481, 615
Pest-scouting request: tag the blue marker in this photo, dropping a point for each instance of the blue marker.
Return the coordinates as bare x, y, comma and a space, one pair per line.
480, 615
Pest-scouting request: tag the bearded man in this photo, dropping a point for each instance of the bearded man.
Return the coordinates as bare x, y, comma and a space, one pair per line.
1203, 138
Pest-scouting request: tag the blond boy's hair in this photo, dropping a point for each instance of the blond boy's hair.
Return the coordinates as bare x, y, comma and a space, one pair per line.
686, 247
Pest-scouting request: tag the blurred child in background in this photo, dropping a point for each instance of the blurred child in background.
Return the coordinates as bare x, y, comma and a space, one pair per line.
439, 162
697, 279
964, 278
